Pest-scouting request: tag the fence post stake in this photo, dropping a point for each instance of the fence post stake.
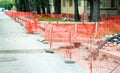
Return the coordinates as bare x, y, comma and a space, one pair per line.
96, 29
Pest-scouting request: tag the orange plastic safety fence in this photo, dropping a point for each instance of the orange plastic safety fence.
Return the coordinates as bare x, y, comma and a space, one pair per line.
85, 30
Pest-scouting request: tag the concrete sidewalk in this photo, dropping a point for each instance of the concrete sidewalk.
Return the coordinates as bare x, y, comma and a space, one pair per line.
14, 37
37, 63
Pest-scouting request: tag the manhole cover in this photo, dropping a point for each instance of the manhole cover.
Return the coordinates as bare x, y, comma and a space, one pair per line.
7, 59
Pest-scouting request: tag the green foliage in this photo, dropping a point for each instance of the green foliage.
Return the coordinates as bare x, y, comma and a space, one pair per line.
7, 4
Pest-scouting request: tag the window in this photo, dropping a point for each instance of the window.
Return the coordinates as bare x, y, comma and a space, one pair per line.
107, 3
79, 2
70, 3
113, 3
64, 3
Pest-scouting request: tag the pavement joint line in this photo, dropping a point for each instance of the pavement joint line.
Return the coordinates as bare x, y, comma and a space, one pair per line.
24, 35
12, 34
24, 51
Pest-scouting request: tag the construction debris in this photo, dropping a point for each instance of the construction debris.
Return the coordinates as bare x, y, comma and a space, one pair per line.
115, 38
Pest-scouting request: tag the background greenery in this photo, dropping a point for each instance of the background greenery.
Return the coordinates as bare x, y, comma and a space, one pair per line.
7, 4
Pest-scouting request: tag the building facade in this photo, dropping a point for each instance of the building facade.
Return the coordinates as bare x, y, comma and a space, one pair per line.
111, 7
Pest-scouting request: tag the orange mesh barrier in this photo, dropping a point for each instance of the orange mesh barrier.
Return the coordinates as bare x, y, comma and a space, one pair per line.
66, 30
63, 31
58, 32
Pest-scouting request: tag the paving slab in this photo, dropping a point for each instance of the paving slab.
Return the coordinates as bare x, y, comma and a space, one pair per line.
21, 43
37, 63
13, 36
8, 25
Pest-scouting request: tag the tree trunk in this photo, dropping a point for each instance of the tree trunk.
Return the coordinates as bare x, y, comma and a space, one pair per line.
57, 6
38, 9
21, 5
34, 6
43, 7
48, 6
16, 4
38, 4
118, 7
91, 9
30, 5
26, 6
76, 12
95, 10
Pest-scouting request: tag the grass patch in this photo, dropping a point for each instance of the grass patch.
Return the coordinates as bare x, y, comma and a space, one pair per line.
54, 19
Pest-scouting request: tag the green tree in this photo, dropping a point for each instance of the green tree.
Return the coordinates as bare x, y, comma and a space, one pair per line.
23, 5
42, 5
19, 5
7, 4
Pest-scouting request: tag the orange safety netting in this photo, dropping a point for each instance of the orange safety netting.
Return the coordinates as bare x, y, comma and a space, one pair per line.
67, 31
70, 31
